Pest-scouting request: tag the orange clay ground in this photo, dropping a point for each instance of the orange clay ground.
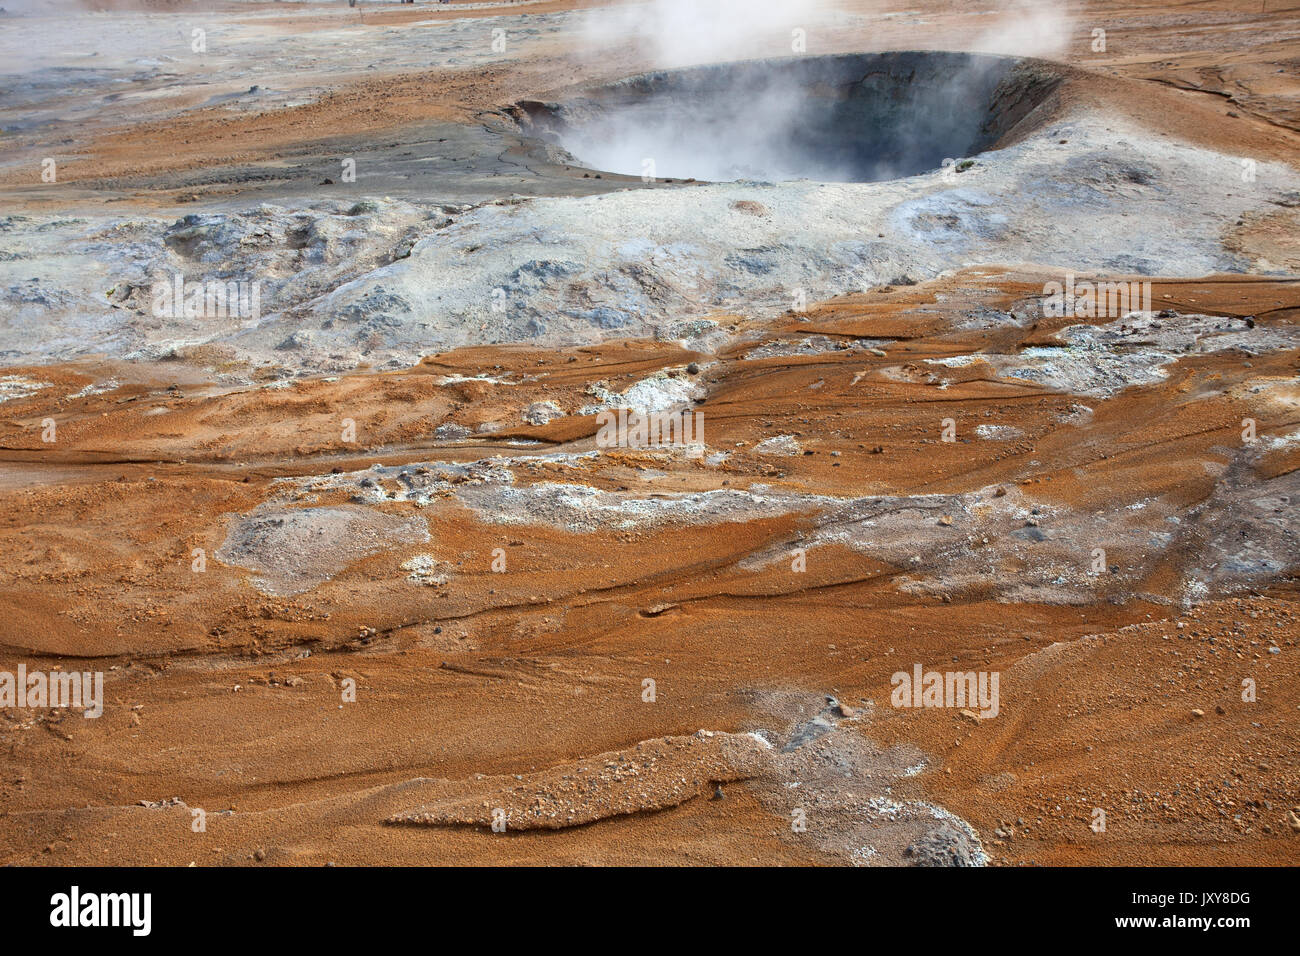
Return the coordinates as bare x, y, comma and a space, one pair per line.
521, 688
361, 618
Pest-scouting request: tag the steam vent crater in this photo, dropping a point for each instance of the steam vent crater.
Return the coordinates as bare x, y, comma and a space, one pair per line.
850, 118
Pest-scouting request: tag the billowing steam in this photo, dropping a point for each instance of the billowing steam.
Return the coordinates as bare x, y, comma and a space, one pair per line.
1027, 28
850, 118
673, 33
771, 122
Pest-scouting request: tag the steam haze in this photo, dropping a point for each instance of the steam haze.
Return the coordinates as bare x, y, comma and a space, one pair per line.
674, 33
767, 123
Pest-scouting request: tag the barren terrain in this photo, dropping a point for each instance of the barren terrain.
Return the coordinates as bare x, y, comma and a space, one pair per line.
367, 585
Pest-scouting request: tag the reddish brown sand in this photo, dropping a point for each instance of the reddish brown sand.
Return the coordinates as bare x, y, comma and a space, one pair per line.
232, 700
524, 690
1227, 76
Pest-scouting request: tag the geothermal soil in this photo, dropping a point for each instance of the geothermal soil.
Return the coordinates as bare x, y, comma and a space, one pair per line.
366, 589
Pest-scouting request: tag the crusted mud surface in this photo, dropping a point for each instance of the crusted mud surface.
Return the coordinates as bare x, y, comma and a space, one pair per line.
523, 689
367, 585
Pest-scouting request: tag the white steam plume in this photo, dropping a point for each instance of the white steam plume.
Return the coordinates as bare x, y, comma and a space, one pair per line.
683, 32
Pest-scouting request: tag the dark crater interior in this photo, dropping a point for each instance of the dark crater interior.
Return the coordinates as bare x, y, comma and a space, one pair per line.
849, 118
